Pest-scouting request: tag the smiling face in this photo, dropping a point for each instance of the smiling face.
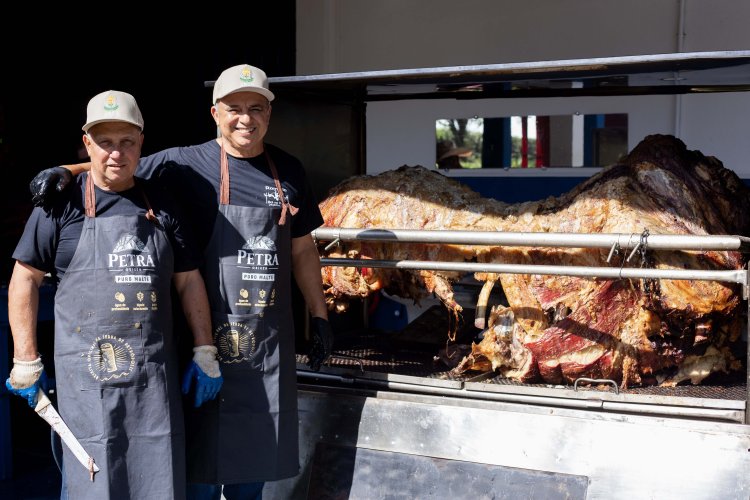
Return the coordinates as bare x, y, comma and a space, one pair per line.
114, 149
242, 119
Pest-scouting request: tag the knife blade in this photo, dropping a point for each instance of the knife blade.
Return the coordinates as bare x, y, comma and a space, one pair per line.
45, 410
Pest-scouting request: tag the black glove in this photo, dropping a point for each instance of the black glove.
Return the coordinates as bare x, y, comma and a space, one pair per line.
322, 343
48, 182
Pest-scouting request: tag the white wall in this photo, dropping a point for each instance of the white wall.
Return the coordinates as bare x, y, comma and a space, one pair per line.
363, 35
391, 142
719, 125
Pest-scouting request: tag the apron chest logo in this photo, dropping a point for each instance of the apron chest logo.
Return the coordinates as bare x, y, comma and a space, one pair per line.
257, 259
130, 254
235, 341
110, 357
258, 253
260, 243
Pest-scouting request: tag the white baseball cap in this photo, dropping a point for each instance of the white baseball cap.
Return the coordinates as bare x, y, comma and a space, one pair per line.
112, 106
242, 78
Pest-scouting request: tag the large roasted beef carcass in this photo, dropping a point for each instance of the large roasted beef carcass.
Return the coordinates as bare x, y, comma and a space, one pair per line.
556, 328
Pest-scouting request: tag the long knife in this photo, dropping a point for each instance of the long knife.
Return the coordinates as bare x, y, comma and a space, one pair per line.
45, 410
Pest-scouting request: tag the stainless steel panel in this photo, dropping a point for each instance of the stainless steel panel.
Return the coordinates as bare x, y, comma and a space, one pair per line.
350, 472
624, 456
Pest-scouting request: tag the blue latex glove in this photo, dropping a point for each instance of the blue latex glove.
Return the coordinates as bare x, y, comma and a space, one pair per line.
207, 385
29, 393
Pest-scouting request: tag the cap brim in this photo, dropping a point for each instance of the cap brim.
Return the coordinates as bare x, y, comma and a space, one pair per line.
88, 126
258, 90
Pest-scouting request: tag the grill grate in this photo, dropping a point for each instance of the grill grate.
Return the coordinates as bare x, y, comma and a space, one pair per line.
374, 360
423, 365
731, 390
413, 352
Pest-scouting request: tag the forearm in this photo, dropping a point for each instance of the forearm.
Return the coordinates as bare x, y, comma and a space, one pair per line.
306, 269
23, 305
192, 292
78, 168
203, 372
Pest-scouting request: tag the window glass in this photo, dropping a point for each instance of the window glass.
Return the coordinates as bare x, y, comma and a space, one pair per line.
531, 141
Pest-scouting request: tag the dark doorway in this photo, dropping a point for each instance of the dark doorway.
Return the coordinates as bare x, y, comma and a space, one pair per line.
51, 68
50, 74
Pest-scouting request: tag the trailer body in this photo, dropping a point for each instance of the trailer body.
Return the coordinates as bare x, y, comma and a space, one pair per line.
373, 426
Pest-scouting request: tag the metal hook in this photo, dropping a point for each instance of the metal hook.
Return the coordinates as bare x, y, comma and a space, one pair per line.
331, 244
614, 250
635, 248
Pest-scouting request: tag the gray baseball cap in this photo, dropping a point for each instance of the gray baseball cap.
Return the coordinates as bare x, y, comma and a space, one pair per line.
112, 106
242, 78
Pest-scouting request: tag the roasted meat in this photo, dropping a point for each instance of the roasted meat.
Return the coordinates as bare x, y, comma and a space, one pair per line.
559, 328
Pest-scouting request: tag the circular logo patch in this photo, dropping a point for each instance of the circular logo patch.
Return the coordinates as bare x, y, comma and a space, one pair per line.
235, 341
110, 358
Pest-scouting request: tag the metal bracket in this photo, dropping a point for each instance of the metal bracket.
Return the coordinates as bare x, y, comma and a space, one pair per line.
641, 243
597, 381
615, 250
333, 243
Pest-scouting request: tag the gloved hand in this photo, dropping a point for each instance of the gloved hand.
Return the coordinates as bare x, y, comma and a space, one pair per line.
322, 343
46, 183
205, 372
26, 378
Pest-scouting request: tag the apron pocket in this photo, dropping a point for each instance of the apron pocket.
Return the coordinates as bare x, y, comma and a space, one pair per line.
239, 339
114, 358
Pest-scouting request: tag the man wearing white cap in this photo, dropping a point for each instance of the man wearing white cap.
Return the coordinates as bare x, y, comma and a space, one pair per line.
114, 246
254, 210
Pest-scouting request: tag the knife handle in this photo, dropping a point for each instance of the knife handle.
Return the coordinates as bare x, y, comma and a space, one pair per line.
42, 401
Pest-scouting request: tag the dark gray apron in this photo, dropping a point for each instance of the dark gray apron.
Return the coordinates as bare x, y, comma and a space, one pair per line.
249, 433
115, 360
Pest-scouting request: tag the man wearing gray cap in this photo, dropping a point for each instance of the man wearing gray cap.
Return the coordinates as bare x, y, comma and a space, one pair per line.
254, 210
113, 245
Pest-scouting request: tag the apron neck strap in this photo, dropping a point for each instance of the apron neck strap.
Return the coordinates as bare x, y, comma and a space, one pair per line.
285, 205
224, 184
150, 216
90, 200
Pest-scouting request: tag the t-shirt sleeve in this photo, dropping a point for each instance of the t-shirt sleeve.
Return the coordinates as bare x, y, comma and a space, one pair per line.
37, 246
154, 166
309, 217
187, 255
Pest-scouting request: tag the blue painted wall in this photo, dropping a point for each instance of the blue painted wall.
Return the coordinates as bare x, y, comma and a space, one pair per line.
520, 189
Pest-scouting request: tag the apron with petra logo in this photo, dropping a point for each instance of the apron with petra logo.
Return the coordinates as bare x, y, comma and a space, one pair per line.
249, 433
115, 359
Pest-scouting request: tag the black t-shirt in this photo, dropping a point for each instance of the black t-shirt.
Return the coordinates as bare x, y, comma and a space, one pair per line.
192, 175
50, 239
